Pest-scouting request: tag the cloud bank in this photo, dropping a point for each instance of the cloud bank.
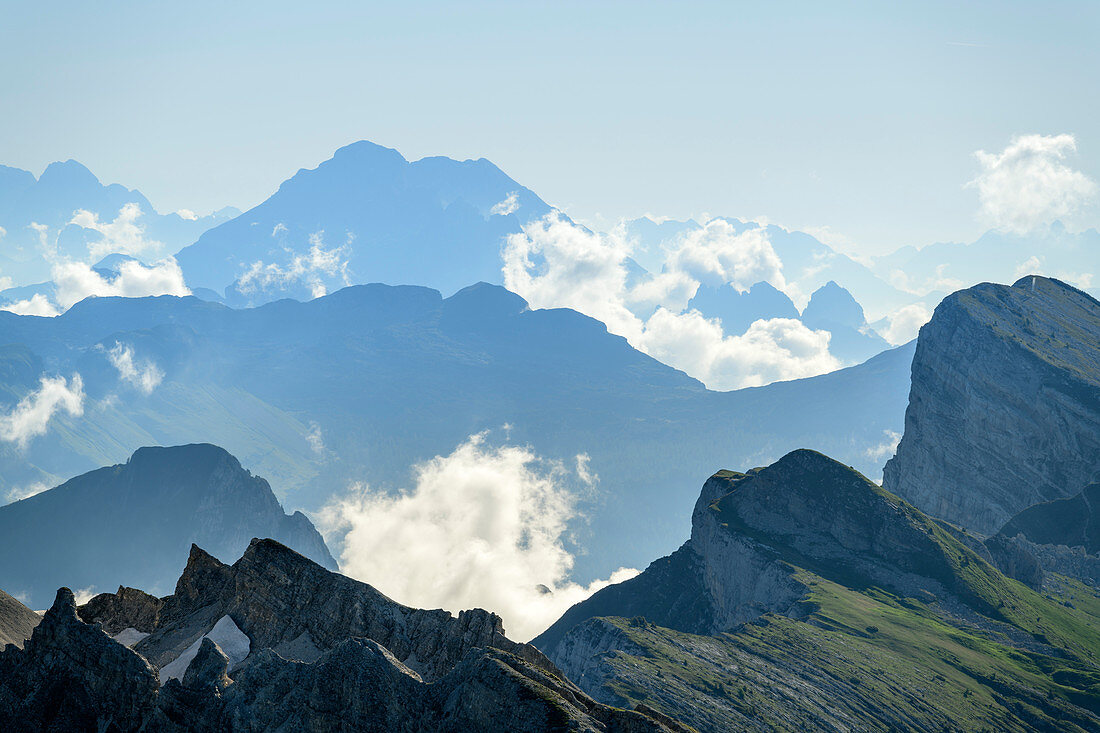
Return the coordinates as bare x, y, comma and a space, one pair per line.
1029, 183
482, 527
554, 263
31, 416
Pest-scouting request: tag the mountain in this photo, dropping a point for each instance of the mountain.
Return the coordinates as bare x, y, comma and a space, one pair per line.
131, 523
737, 310
361, 385
305, 649
833, 309
808, 263
16, 621
808, 598
1004, 407
53, 199
997, 256
366, 215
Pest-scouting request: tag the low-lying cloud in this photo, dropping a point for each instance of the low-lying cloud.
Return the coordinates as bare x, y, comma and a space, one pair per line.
36, 305
482, 527
32, 415
554, 263
142, 374
1029, 183
124, 235
309, 269
75, 281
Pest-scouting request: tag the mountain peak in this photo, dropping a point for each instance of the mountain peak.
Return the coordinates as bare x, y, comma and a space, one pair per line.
68, 173
833, 305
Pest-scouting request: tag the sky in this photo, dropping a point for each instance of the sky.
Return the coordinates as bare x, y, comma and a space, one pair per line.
858, 122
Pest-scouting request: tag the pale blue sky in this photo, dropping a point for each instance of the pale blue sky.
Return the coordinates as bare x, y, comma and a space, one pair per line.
862, 118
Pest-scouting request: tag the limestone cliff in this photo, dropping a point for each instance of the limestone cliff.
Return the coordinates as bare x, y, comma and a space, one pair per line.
1004, 406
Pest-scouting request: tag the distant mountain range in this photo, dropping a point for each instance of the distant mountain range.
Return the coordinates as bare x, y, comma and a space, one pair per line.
360, 385
52, 201
132, 523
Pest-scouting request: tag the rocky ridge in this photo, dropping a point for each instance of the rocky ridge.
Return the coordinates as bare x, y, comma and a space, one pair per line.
373, 664
1004, 406
808, 598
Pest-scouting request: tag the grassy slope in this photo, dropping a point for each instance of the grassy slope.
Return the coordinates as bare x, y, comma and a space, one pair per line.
870, 659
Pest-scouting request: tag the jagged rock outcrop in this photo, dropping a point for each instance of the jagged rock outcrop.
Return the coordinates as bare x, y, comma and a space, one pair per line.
449, 674
748, 529
132, 524
126, 608
286, 602
16, 621
1004, 407
72, 676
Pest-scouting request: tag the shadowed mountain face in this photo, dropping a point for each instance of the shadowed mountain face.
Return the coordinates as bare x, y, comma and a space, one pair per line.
362, 384
1072, 521
131, 523
309, 650
737, 310
436, 221
1004, 407
808, 598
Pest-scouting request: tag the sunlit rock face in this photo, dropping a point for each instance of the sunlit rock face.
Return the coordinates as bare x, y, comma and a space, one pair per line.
1004, 408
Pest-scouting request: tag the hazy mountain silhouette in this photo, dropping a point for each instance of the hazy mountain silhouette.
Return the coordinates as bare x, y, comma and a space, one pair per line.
435, 221
390, 376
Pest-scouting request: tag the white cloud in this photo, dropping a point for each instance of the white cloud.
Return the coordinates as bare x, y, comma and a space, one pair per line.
554, 263
25, 492
1032, 265
771, 350
143, 374
905, 322
83, 595
77, 280
36, 305
886, 448
187, 214
315, 440
1029, 184
123, 235
308, 269
31, 417
508, 206
482, 528
716, 254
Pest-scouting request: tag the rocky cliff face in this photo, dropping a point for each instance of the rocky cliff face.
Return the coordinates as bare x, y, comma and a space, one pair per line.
16, 621
373, 665
133, 523
1004, 407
